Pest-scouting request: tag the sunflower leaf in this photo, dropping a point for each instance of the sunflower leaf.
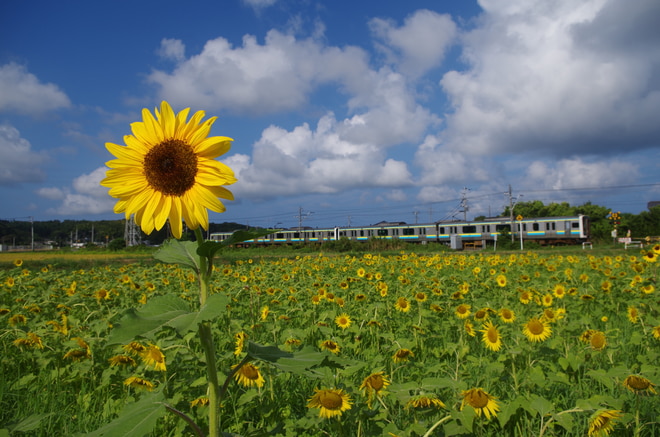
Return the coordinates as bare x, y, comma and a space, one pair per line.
306, 361
179, 252
145, 322
188, 322
135, 420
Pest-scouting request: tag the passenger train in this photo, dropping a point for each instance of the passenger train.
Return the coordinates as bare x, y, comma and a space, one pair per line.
456, 234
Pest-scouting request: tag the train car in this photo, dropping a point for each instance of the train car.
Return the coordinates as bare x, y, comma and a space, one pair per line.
456, 234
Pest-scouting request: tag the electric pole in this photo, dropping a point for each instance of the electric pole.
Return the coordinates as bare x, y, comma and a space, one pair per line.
302, 217
512, 203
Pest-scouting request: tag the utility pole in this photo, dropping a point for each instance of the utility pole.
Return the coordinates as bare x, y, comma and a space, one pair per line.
512, 203
415, 213
302, 217
464, 202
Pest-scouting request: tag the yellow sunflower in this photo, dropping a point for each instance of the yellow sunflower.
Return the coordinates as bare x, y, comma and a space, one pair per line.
633, 314
469, 328
330, 345
481, 401
248, 375
330, 402
463, 311
374, 384
402, 304
638, 384
507, 315
343, 321
601, 423
239, 338
140, 383
491, 336
537, 330
152, 356
121, 360
168, 170
598, 340
656, 332
650, 257
402, 355
425, 401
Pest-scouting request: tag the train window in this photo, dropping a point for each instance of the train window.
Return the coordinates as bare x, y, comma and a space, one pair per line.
469, 229
500, 228
524, 227
296, 235
535, 227
441, 230
382, 232
575, 224
408, 231
279, 235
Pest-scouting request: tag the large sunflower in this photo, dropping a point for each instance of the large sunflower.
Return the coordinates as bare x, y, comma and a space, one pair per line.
601, 423
491, 336
537, 330
639, 384
481, 401
248, 375
330, 402
168, 170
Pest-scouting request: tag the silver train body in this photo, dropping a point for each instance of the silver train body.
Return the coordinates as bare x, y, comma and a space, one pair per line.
456, 234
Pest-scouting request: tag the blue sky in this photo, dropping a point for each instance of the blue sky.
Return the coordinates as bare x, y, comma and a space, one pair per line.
349, 111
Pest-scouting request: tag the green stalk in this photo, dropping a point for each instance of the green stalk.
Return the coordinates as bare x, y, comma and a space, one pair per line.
206, 339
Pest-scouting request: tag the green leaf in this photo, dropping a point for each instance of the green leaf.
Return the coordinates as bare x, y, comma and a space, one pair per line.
509, 409
601, 376
30, 423
215, 305
541, 405
135, 420
566, 421
163, 311
149, 319
179, 252
305, 361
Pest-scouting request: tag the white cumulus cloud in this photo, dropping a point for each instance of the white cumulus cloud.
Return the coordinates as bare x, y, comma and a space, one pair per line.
85, 196
550, 76
417, 46
22, 92
18, 162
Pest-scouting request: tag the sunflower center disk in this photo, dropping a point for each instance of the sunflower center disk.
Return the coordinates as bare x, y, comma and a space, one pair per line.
331, 401
376, 382
478, 399
170, 167
251, 372
535, 327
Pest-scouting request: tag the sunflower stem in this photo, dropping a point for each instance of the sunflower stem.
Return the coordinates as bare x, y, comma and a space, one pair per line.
206, 339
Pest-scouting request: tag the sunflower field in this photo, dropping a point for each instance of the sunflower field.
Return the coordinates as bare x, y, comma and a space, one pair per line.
484, 344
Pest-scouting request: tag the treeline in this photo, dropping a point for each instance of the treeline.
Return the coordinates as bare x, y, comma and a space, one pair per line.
646, 223
64, 233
